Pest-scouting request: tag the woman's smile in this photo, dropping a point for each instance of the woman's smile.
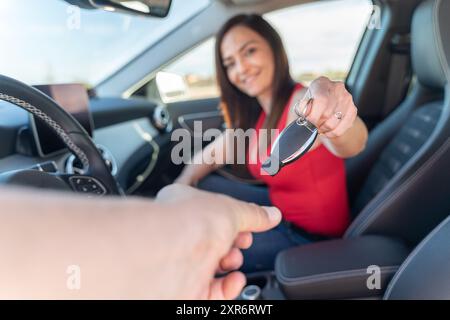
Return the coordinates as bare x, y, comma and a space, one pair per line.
250, 80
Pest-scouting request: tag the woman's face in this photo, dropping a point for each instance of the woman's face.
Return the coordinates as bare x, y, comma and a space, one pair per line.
248, 61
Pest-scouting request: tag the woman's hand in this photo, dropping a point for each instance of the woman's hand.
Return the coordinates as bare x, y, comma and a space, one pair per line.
185, 179
332, 109
334, 113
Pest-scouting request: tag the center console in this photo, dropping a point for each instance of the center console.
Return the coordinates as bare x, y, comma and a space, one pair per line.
351, 268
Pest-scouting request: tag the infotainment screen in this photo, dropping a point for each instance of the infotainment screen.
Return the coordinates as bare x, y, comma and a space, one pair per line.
75, 100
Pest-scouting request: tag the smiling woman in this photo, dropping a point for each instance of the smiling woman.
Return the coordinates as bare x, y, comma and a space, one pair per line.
63, 43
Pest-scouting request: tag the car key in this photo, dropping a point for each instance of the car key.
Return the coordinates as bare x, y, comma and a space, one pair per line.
293, 142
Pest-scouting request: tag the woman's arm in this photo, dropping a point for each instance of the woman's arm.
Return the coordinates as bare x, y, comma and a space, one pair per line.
351, 143
211, 158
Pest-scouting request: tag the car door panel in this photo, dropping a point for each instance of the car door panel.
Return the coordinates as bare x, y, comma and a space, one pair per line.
184, 113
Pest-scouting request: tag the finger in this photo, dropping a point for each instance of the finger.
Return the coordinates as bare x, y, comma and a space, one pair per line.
253, 218
316, 110
329, 125
332, 121
232, 261
174, 192
244, 240
344, 124
228, 287
326, 115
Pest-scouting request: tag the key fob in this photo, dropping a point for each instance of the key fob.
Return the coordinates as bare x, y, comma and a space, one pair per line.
293, 142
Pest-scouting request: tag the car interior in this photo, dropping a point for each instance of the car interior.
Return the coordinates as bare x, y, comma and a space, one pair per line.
114, 138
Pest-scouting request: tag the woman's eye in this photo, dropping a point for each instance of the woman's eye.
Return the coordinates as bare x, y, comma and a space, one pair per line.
250, 51
228, 65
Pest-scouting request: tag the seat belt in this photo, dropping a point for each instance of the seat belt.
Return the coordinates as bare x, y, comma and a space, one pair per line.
399, 72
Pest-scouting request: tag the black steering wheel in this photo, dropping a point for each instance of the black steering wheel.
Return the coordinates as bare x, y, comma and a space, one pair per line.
96, 178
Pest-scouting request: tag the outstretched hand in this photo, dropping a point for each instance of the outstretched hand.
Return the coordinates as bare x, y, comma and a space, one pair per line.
331, 109
227, 225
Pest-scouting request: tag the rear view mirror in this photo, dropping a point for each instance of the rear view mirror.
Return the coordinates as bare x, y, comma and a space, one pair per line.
155, 8
171, 86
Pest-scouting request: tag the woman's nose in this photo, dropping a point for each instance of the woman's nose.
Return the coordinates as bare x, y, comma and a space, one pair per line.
242, 66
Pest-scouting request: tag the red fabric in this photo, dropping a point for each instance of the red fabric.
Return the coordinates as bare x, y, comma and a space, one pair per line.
310, 192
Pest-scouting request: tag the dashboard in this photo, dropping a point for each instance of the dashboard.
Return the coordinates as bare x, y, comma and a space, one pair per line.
128, 132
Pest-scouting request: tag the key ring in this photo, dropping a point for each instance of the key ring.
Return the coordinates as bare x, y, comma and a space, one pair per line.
302, 114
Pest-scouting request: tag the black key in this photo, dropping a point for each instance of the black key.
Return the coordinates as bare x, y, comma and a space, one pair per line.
293, 142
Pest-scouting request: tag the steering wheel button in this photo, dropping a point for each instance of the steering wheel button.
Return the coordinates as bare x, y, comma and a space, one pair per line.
87, 185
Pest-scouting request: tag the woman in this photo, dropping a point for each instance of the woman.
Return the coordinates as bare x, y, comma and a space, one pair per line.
258, 92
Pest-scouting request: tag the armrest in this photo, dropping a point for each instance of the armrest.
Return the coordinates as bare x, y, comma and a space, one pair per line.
338, 269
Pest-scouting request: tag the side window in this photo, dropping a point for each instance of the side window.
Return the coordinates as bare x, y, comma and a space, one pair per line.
321, 38
191, 76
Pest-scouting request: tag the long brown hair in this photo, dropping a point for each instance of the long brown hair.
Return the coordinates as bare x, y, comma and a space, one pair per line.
240, 110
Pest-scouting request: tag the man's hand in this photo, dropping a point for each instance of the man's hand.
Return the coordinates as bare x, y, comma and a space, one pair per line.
130, 248
225, 225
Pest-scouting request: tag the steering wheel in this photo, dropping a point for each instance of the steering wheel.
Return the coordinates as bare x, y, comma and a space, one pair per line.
96, 178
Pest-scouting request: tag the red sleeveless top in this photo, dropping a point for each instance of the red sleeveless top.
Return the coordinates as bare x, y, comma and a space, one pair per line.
310, 192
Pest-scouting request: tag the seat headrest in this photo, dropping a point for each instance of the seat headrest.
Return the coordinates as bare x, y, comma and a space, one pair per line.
430, 43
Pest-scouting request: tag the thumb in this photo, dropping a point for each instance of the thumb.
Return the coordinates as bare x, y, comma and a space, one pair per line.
253, 218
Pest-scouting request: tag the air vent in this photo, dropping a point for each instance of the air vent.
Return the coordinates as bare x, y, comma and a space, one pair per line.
74, 166
161, 119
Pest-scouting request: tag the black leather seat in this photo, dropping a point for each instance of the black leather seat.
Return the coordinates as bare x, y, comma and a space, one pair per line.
425, 274
401, 180
342, 268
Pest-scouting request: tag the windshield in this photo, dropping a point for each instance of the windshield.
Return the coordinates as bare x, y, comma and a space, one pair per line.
50, 41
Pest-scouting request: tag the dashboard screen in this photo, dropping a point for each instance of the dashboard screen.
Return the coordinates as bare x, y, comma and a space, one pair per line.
75, 100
